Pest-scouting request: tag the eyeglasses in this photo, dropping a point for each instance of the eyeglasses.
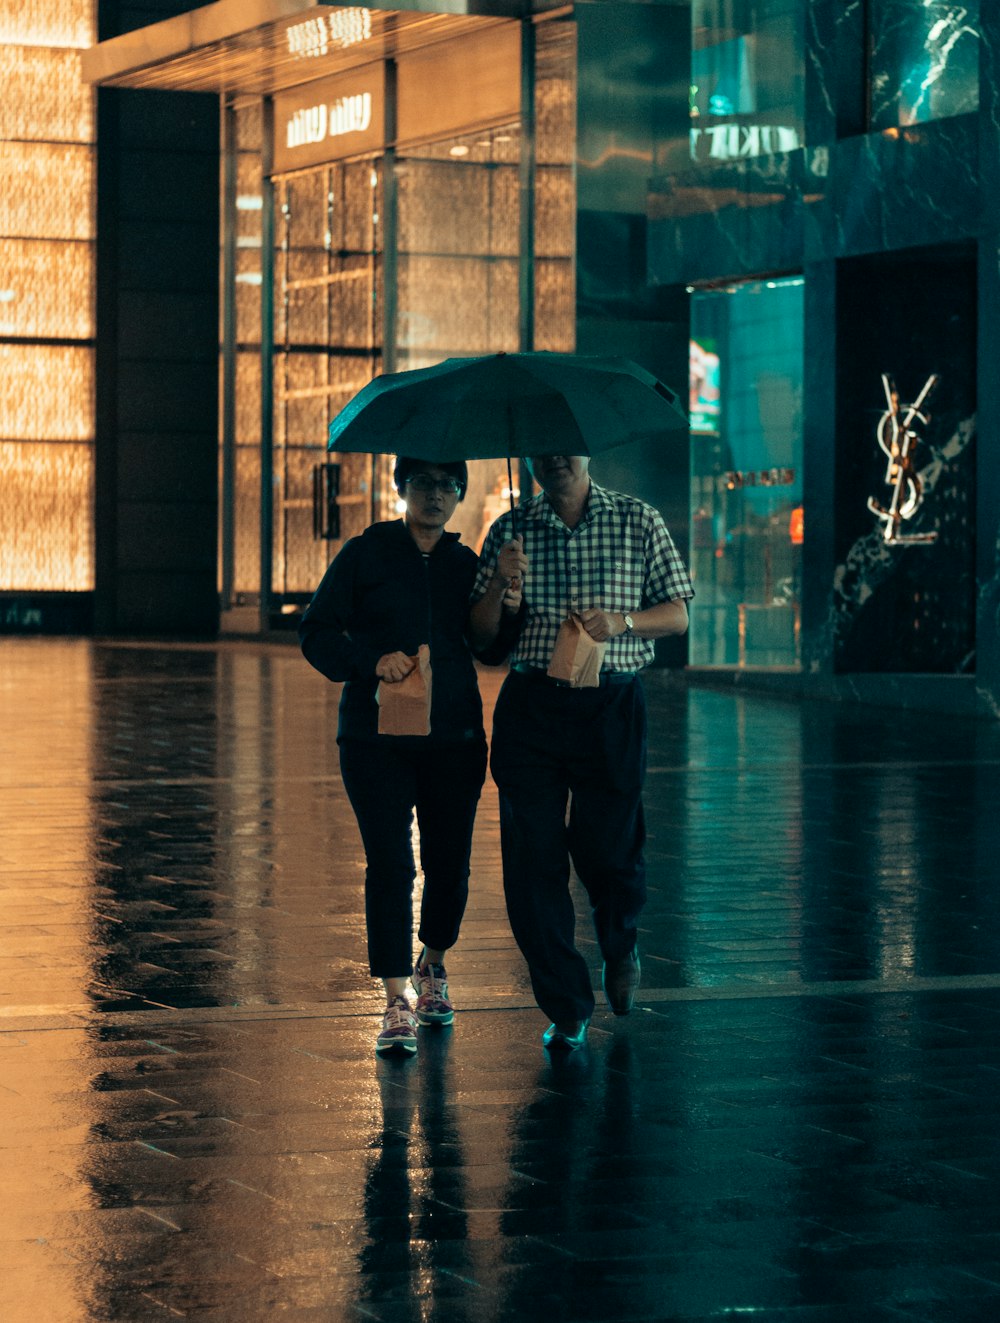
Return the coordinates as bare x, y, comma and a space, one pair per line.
423, 482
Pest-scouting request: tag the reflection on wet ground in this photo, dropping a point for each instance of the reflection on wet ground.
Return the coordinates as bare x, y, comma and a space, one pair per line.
799, 1122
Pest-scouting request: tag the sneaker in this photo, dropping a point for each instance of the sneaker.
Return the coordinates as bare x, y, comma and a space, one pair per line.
431, 985
566, 1036
399, 1028
621, 982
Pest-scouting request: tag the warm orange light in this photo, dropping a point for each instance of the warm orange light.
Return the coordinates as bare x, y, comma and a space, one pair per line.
41, 23
795, 525
46, 528
47, 224
45, 98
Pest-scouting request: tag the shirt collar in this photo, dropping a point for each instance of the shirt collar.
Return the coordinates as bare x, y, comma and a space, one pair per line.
539, 510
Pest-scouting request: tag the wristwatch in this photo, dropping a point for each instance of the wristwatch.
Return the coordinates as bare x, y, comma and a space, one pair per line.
629, 622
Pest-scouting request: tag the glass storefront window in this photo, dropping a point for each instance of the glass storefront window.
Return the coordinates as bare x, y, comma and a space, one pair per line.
923, 60
747, 78
457, 273
381, 262
746, 473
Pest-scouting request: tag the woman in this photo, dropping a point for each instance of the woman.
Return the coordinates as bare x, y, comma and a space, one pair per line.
401, 584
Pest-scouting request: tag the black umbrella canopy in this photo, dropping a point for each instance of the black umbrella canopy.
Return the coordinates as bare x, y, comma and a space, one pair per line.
503, 405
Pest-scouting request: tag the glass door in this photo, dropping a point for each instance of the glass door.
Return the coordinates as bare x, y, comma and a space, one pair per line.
746, 473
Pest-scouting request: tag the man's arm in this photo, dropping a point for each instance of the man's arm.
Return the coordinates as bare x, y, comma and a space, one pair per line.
666, 584
656, 622
503, 592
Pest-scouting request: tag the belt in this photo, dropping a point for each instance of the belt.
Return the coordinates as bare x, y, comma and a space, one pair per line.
536, 673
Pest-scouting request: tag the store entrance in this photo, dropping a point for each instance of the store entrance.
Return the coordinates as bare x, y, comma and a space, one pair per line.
396, 257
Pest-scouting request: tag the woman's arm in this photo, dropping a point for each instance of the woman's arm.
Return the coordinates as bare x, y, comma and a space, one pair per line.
325, 632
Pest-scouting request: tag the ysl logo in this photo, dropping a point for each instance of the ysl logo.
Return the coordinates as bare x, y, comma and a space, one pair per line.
896, 435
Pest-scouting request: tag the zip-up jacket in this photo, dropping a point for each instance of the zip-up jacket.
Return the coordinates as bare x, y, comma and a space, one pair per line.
379, 595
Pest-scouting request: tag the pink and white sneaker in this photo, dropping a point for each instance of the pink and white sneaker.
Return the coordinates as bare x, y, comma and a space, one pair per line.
431, 985
399, 1028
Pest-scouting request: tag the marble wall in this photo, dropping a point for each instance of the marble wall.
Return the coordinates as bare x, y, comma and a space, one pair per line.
897, 231
632, 89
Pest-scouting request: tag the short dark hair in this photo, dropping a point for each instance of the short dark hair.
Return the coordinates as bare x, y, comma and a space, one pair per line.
407, 467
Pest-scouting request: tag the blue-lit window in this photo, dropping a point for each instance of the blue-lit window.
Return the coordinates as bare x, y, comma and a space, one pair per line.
747, 84
923, 60
745, 409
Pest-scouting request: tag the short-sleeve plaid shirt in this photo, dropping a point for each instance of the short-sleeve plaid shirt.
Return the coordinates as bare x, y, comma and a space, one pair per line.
620, 557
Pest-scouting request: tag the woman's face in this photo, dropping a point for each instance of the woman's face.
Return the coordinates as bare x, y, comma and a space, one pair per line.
430, 494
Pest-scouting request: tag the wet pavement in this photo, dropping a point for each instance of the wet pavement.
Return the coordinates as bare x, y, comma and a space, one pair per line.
799, 1122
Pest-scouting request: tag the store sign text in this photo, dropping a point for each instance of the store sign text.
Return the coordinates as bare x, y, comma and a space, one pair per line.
341, 27
732, 142
314, 124
735, 479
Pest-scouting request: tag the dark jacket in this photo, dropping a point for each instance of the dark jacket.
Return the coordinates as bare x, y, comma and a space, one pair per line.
382, 595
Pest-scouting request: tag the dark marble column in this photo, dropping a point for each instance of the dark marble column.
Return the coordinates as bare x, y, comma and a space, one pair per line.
819, 467
157, 354
988, 471
632, 98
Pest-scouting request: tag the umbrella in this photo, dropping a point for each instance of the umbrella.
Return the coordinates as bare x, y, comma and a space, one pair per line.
501, 405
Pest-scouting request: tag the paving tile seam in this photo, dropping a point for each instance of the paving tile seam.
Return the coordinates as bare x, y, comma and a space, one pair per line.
791, 768
11, 1022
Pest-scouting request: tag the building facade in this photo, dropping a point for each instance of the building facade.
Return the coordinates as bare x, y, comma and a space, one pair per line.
793, 203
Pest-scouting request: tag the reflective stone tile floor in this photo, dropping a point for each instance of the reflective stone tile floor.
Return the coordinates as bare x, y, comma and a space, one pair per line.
799, 1123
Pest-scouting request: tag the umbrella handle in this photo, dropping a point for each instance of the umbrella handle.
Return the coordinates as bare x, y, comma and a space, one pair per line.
510, 488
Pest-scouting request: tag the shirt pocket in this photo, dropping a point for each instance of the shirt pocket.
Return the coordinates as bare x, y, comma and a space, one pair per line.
620, 585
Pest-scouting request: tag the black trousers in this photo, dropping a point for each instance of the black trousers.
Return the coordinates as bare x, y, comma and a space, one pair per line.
586, 746
386, 779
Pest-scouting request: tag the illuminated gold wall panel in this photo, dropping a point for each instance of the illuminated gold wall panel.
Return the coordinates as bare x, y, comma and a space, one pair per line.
47, 228
46, 393
459, 305
46, 191
47, 23
248, 392
46, 289
449, 207
44, 99
555, 187
46, 525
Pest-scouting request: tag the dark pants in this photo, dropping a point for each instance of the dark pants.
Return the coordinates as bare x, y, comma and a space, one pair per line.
386, 779
550, 743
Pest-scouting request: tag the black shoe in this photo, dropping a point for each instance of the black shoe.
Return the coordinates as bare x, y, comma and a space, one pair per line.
621, 982
567, 1035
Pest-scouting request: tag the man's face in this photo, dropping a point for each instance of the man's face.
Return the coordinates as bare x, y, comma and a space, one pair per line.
557, 474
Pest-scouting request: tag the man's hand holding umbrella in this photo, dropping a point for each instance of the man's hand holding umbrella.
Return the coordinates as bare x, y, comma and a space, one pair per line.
512, 565
504, 592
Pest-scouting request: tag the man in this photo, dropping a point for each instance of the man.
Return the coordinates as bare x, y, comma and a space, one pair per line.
609, 560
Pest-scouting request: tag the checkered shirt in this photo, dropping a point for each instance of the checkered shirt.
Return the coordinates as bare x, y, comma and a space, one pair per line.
620, 557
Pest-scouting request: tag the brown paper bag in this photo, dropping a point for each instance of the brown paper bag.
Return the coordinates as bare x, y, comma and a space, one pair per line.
576, 657
404, 708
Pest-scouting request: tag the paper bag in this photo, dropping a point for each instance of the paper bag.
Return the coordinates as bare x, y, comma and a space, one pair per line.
404, 708
576, 657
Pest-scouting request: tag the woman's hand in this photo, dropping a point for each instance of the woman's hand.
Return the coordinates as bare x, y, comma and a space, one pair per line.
394, 666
